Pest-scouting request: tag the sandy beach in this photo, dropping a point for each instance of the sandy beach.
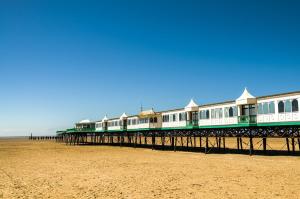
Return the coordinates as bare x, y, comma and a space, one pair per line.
45, 169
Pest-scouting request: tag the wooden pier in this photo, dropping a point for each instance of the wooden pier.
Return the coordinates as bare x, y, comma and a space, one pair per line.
250, 140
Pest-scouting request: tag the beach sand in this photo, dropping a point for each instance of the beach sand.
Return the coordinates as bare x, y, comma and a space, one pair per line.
45, 169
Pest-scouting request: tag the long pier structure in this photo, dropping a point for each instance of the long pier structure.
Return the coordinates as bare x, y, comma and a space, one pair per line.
249, 121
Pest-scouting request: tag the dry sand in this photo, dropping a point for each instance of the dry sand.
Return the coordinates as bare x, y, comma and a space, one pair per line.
36, 169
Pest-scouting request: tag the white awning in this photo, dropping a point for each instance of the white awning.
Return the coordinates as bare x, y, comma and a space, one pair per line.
246, 98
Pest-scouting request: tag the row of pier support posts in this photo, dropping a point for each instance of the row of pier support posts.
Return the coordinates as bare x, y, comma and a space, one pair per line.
43, 137
212, 140
292, 143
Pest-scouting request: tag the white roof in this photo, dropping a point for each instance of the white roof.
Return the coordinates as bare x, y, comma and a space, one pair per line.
246, 98
123, 116
245, 95
191, 106
84, 121
104, 119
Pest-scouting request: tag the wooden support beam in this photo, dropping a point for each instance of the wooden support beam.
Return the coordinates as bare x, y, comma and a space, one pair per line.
251, 146
175, 143
153, 141
241, 143
200, 140
287, 144
181, 141
172, 141
264, 144
206, 145
293, 144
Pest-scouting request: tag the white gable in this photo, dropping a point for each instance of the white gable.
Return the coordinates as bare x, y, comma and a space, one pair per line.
192, 106
123, 116
246, 98
104, 119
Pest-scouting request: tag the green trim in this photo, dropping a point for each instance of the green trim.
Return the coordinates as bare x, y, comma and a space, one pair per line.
279, 124
73, 130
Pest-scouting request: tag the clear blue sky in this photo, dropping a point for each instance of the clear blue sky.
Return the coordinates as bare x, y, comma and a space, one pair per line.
63, 61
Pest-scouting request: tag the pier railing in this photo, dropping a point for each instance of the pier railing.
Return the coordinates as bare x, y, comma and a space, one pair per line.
192, 123
247, 119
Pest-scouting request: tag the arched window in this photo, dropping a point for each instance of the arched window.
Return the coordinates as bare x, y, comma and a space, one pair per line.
155, 120
151, 120
295, 106
281, 107
288, 106
207, 114
230, 112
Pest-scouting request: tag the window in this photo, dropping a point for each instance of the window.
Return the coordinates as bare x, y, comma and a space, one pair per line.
235, 112
182, 116
271, 107
204, 114
260, 109
249, 109
143, 120
151, 120
155, 120
226, 112
217, 113
213, 113
174, 118
288, 106
266, 108
220, 113
195, 116
207, 114
295, 106
134, 122
281, 107
230, 112
165, 118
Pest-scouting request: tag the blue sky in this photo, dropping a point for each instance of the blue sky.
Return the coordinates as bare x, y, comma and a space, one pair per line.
63, 61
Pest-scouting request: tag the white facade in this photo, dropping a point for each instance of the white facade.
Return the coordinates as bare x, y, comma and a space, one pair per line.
289, 115
277, 109
218, 115
172, 119
99, 126
113, 124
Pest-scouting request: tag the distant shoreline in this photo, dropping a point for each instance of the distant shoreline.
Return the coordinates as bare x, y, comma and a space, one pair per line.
13, 137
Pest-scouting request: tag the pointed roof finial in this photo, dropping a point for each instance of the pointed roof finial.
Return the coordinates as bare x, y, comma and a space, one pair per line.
105, 118
123, 116
246, 98
192, 106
